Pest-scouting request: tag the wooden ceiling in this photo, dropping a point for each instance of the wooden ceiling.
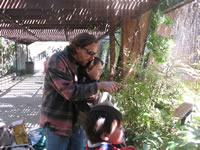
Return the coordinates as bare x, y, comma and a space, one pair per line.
27, 21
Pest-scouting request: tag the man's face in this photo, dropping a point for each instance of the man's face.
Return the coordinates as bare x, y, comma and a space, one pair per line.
86, 54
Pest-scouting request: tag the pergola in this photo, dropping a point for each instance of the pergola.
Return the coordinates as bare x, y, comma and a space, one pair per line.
27, 21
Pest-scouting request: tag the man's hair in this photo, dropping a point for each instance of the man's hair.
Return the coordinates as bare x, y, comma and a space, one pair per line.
98, 121
80, 41
92, 63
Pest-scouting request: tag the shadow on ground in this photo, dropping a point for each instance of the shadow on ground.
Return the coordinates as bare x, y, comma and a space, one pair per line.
22, 100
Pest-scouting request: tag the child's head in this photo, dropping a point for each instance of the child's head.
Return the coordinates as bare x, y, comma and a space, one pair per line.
103, 123
94, 69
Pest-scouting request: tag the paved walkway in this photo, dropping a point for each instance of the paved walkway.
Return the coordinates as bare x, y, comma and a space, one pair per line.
22, 100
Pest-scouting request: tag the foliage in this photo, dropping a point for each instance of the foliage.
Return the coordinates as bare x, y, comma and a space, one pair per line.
150, 98
158, 44
11, 49
1, 46
105, 53
7, 57
187, 138
147, 104
159, 18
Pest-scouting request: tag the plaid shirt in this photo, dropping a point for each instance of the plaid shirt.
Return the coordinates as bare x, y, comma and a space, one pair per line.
61, 92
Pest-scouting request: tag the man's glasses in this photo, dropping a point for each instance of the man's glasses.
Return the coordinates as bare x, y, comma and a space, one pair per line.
91, 53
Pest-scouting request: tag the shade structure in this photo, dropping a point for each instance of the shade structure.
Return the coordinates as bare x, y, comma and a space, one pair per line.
27, 21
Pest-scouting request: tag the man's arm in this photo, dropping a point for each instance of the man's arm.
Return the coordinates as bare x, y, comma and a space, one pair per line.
61, 78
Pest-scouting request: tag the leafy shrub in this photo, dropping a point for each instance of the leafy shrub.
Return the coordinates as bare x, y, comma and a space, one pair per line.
187, 138
158, 44
147, 104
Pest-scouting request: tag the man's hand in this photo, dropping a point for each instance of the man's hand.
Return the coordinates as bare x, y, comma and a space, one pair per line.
109, 86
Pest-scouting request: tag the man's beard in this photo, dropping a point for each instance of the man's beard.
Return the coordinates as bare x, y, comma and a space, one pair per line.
80, 64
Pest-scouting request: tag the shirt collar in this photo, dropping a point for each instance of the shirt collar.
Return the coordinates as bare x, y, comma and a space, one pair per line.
97, 144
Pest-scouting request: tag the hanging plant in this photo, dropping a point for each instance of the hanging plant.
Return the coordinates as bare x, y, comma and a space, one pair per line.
11, 49
158, 44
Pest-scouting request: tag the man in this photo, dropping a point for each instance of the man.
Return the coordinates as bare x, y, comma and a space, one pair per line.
59, 112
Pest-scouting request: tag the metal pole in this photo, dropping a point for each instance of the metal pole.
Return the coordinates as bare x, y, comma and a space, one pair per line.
27, 52
16, 57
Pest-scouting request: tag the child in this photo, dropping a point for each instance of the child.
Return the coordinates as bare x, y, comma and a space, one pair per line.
103, 127
93, 70
92, 73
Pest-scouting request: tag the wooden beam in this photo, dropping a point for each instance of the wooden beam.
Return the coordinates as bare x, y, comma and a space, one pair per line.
19, 26
70, 4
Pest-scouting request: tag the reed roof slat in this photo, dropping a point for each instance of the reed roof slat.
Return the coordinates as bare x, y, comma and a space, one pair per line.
64, 19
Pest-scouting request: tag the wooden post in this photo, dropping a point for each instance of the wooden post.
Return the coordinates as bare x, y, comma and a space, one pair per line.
134, 35
16, 57
27, 53
112, 46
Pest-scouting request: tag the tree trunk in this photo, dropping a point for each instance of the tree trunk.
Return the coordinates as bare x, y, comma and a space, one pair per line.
112, 48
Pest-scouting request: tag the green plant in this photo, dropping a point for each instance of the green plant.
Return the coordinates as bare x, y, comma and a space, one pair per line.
150, 98
11, 49
6, 57
151, 94
187, 138
1, 45
158, 44
147, 106
105, 53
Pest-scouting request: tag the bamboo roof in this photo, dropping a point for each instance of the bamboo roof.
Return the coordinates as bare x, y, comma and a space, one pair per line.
27, 21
